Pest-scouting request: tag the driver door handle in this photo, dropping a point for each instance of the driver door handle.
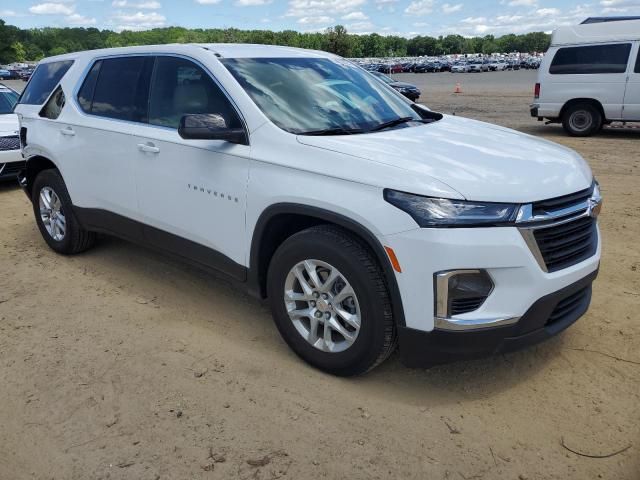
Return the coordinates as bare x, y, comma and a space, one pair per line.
148, 148
68, 132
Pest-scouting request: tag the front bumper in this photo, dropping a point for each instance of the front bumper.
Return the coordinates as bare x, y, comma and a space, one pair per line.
547, 317
11, 162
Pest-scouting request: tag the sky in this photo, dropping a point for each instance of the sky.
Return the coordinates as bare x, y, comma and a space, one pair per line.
399, 17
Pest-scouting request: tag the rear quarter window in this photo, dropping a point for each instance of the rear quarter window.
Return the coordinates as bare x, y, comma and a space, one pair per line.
591, 59
43, 81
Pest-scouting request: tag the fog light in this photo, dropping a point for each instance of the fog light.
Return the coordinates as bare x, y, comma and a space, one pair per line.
461, 291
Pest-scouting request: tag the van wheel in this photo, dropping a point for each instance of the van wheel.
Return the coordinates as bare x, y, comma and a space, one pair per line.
581, 120
330, 301
54, 215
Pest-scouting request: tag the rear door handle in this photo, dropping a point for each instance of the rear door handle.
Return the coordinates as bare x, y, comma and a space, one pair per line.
67, 132
148, 148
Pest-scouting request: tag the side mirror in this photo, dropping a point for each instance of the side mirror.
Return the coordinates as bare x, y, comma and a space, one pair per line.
210, 126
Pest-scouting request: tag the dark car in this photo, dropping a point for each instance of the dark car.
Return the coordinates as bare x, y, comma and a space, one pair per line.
407, 89
424, 67
25, 75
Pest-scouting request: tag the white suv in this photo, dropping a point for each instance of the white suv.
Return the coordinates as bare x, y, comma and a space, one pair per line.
366, 220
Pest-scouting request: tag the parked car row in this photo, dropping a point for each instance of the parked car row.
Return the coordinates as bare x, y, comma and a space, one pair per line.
445, 65
10, 74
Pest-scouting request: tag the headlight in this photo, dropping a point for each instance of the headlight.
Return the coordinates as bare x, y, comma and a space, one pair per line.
443, 212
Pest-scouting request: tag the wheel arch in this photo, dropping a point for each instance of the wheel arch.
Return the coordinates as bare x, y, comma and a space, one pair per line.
34, 166
589, 101
278, 222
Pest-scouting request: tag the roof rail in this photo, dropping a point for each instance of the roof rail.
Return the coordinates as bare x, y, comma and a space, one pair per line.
608, 19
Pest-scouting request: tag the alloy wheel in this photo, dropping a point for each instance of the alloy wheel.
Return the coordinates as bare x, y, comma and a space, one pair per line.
51, 214
322, 305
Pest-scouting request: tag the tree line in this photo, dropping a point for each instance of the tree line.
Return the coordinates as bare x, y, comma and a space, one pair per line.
18, 45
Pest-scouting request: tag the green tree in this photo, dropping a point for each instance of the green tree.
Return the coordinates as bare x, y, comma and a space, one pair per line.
19, 52
337, 41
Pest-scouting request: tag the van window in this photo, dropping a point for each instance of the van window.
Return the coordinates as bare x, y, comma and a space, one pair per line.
120, 90
637, 70
181, 87
43, 81
591, 59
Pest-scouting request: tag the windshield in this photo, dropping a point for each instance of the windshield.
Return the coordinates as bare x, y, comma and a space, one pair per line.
7, 101
310, 95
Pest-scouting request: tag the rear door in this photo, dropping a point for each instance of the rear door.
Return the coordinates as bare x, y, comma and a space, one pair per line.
632, 95
112, 103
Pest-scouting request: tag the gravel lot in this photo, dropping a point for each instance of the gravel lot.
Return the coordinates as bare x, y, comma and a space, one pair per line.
121, 364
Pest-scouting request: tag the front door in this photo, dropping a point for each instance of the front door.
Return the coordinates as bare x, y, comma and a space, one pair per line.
191, 193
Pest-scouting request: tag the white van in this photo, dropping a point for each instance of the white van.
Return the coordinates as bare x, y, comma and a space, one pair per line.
590, 77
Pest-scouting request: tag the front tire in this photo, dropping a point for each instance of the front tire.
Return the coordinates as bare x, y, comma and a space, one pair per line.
330, 301
53, 210
582, 120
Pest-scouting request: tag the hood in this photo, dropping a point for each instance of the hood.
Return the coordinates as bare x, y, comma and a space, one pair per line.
481, 161
9, 124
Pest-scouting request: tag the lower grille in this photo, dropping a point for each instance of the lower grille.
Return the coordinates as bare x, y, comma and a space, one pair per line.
11, 169
10, 143
465, 305
568, 306
568, 243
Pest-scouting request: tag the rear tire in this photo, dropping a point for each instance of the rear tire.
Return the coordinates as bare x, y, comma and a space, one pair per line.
330, 252
53, 210
582, 120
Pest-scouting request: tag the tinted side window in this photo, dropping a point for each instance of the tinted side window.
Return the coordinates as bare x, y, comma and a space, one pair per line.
43, 81
591, 59
122, 88
180, 87
85, 95
637, 70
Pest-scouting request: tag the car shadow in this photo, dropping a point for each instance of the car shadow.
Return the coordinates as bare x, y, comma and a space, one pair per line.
556, 131
8, 186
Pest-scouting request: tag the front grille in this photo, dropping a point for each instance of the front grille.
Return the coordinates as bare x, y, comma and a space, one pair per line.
569, 306
465, 305
568, 243
10, 143
11, 169
558, 203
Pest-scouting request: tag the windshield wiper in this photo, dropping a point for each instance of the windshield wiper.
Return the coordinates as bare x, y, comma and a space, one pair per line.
332, 131
394, 122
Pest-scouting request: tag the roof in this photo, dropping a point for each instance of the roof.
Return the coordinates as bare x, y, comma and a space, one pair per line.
608, 19
223, 50
626, 30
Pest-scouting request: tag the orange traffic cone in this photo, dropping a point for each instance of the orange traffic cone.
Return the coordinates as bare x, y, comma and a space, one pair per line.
458, 88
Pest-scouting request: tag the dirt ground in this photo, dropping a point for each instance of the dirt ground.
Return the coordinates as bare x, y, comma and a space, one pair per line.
122, 364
